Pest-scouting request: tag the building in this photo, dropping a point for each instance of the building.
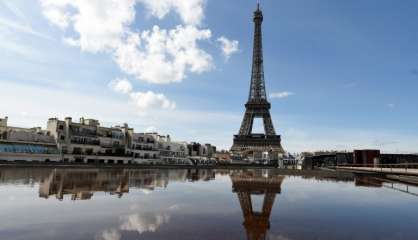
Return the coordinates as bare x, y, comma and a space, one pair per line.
152, 148
366, 157
198, 150
223, 157
326, 159
144, 148
172, 152
398, 158
210, 150
26, 144
88, 142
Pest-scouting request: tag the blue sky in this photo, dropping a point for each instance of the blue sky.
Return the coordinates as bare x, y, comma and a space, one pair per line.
344, 73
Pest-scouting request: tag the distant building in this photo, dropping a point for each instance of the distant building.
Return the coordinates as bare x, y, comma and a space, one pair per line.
172, 152
201, 150
26, 144
210, 150
321, 159
88, 142
366, 157
194, 149
144, 148
223, 156
344, 158
387, 158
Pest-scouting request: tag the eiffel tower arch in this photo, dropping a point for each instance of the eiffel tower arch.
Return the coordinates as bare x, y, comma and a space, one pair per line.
245, 184
247, 143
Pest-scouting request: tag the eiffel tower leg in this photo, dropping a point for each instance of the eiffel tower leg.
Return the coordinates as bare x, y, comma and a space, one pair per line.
268, 124
268, 204
245, 202
247, 123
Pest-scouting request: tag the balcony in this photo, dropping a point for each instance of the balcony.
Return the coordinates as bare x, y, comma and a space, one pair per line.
85, 141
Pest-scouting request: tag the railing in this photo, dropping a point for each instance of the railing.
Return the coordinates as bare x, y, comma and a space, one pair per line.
404, 167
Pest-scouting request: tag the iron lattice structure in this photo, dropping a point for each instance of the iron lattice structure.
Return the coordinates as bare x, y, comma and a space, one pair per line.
257, 106
245, 184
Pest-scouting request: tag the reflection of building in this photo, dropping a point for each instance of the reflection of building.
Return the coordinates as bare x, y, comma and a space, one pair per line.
81, 184
256, 182
367, 181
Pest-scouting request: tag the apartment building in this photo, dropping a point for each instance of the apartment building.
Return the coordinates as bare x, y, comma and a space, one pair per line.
172, 152
26, 144
144, 148
198, 150
88, 142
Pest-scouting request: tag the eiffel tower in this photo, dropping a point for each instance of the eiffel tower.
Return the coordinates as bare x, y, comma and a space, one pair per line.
257, 106
254, 183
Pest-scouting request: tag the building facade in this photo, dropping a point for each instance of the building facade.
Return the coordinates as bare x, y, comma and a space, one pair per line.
144, 148
86, 141
26, 144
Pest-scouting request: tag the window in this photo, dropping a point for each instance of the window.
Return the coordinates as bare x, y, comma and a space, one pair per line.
77, 151
89, 151
62, 137
61, 127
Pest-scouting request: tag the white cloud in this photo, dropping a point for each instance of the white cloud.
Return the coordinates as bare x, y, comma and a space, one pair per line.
284, 94
164, 56
55, 13
142, 100
156, 56
100, 24
121, 86
150, 100
228, 47
190, 11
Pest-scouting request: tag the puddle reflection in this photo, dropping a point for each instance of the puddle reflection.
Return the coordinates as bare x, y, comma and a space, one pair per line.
202, 204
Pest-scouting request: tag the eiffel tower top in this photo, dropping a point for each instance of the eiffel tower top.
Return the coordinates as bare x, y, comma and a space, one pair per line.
257, 88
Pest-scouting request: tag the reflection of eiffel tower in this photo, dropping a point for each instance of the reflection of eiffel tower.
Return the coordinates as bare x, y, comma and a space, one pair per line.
256, 183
